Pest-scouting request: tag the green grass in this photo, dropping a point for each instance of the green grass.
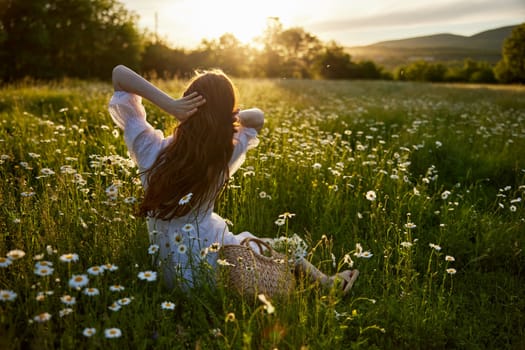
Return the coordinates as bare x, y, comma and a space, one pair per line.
445, 162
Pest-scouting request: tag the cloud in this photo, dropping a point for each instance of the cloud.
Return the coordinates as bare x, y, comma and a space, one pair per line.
425, 15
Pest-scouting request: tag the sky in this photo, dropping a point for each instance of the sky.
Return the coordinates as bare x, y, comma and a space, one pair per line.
184, 23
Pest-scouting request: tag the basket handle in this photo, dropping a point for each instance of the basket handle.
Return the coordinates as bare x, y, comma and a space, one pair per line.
260, 244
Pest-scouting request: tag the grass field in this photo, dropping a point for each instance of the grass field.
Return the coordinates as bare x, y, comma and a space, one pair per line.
428, 180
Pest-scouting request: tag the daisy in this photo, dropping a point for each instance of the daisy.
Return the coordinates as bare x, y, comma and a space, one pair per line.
43, 271
116, 288
68, 300
130, 200
110, 267
230, 317
371, 196
451, 271
434, 246
280, 222
154, 248
112, 333
270, 309
449, 258
366, 254
410, 225
65, 312
71, 257
182, 249
7, 295
16, 254
186, 199
91, 291
167, 305
78, 281
47, 171
5, 262
43, 263
149, 276
178, 238
124, 301
188, 228
114, 307
95, 270
214, 247
43, 317
286, 215
89, 332
406, 244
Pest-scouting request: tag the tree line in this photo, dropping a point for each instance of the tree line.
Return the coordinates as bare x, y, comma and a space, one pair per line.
53, 39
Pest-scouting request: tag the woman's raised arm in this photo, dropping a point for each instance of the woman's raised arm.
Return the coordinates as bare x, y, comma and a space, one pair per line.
125, 79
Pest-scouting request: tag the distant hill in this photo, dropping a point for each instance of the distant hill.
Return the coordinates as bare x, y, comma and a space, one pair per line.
448, 48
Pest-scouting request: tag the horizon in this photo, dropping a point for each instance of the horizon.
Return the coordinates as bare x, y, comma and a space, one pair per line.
348, 24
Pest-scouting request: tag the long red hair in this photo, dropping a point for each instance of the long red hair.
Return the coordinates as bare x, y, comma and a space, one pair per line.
196, 161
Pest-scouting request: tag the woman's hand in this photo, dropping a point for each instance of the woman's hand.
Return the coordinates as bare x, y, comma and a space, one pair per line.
185, 107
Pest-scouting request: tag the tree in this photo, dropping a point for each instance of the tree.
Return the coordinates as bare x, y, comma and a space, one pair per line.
511, 69
49, 39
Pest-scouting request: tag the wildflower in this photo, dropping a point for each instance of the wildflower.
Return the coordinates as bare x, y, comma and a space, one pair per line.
224, 262
91, 291
280, 222
7, 295
43, 271
65, 312
95, 270
78, 281
262, 194
286, 215
114, 307
130, 200
366, 254
186, 199
43, 317
451, 271
270, 309
71, 257
124, 301
43, 263
116, 288
216, 332
449, 258
317, 166
230, 317
167, 305
434, 246
512, 208
110, 267
47, 171
5, 262
371, 196
445, 194
89, 332
214, 247
112, 191
178, 238
203, 253
16, 254
348, 260
188, 228
406, 244
410, 225
358, 249
182, 249
112, 333
149, 276
154, 248
68, 300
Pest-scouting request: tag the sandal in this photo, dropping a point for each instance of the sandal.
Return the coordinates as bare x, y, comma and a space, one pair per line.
345, 279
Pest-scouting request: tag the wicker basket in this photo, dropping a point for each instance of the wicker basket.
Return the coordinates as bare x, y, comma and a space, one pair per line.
250, 273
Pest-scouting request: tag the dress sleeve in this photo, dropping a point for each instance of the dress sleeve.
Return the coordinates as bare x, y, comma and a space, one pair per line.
243, 140
142, 140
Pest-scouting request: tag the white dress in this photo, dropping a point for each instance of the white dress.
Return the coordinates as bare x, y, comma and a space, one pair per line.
184, 242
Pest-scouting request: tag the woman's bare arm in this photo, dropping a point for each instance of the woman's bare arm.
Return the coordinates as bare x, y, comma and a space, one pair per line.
125, 79
252, 118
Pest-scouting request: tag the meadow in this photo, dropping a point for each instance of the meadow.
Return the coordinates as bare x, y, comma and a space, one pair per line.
418, 186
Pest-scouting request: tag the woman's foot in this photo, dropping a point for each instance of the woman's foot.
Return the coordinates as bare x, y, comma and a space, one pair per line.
344, 280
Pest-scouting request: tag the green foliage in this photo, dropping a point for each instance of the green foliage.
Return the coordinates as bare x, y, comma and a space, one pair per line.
56, 39
511, 69
427, 179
